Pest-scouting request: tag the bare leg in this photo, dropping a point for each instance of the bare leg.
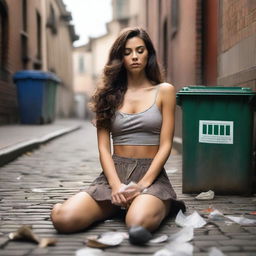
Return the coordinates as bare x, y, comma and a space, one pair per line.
79, 212
147, 211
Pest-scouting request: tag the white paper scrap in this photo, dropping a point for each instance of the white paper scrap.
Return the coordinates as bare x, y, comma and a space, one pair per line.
194, 220
215, 252
176, 249
180, 249
170, 171
38, 190
163, 252
111, 238
159, 239
186, 234
209, 195
89, 252
216, 215
242, 220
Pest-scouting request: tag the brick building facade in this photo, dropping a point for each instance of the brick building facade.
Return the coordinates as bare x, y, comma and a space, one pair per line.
30, 36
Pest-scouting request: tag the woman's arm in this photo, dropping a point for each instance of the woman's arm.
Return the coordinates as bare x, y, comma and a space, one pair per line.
108, 166
168, 102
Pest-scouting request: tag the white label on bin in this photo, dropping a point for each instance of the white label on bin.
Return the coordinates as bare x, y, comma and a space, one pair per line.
216, 132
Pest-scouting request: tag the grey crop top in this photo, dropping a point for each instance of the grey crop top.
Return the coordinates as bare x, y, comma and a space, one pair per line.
141, 128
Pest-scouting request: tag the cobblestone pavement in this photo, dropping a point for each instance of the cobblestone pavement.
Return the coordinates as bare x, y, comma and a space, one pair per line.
30, 185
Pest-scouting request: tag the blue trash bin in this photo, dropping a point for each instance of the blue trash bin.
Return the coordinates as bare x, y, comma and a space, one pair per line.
33, 95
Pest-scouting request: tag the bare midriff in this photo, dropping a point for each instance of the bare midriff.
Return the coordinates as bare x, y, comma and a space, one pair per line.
135, 151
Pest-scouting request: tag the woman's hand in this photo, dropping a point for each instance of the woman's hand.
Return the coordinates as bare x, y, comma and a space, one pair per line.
117, 196
131, 191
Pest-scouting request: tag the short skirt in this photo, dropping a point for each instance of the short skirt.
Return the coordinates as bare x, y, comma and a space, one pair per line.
132, 169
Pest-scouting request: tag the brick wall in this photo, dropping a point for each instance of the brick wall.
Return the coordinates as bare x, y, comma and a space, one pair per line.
238, 21
8, 101
237, 47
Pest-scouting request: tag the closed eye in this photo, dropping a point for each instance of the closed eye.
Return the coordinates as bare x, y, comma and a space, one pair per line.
139, 49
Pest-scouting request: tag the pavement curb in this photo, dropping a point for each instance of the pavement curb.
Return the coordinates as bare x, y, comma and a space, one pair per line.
10, 153
177, 144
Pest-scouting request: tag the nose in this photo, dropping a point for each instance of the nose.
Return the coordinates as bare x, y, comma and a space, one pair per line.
134, 56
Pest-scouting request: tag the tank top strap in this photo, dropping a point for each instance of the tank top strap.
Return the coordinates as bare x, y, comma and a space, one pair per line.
157, 90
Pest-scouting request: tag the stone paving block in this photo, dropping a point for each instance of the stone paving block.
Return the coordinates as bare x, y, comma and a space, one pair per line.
241, 254
40, 251
14, 252
210, 237
230, 248
251, 229
3, 241
206, 244
237, 242
249, 248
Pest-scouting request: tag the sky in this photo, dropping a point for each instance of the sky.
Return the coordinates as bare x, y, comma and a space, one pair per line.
89, 17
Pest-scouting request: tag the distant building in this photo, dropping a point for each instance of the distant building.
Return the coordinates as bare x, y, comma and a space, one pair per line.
89, 60
35, 34
83, 80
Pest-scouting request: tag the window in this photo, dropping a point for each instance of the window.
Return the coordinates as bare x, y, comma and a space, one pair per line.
3, 40
52, 21
175, 17
81, 68
24, 36
24, 15
37, 62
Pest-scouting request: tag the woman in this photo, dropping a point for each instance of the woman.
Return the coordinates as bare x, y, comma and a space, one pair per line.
137, 109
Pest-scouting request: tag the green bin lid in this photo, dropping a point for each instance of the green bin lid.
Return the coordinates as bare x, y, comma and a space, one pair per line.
215, 90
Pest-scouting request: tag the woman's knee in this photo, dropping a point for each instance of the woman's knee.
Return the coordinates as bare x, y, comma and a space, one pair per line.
65, 221
147, 212
146, 220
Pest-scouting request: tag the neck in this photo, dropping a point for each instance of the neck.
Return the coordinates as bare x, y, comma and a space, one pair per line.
136, 80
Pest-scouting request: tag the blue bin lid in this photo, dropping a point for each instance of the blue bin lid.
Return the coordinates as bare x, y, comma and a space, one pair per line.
215, 90
35, 74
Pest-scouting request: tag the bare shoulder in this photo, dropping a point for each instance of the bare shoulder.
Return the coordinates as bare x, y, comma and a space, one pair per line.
167, 89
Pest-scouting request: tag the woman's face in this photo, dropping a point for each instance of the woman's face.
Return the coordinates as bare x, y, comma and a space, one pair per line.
135, 55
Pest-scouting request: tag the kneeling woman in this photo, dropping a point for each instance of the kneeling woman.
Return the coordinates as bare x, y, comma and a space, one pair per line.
137, 109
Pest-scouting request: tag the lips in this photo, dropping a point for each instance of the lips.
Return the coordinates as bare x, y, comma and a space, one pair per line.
135, 65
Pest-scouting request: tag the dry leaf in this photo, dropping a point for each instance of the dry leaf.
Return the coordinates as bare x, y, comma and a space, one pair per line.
24, 233
44, 242
95, 244
105, 240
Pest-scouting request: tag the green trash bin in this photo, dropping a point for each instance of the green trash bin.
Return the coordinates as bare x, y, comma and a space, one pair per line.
217, 131
51, 88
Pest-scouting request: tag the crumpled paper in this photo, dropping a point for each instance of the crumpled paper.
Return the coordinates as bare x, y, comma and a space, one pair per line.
107, 239
179, 245
194, 220
241, 220
159, 239
186, 234
176, 249
209, 195
217, 215
215, 252
89, 252
131, 185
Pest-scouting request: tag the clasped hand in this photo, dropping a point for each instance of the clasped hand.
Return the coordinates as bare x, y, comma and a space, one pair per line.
124, 195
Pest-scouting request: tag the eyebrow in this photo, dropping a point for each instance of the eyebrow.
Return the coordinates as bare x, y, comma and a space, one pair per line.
136, 47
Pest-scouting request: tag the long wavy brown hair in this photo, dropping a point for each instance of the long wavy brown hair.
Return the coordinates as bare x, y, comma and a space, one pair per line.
109, 96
